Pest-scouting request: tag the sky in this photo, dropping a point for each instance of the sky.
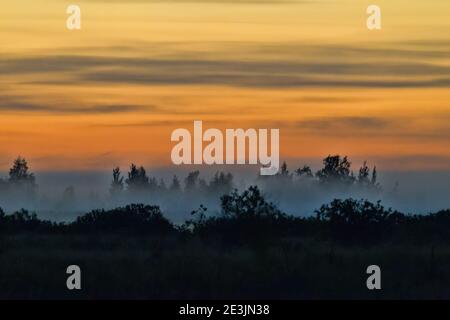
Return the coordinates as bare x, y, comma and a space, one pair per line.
112, 93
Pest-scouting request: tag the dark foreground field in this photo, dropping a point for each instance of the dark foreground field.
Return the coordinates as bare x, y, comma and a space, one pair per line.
251, 251
34, 266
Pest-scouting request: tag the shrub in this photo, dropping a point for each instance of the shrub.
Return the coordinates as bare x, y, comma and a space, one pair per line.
134, 218
355, 221
23, 221
246, 218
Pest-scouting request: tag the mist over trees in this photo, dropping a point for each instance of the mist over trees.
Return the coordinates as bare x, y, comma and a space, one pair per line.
139, 249
248, 218
297, 191
301, 190
21, 183
336, 173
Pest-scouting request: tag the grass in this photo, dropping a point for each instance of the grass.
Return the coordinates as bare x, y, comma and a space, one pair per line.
33, 266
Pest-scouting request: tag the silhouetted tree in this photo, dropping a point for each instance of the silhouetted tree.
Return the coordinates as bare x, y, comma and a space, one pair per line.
20, 179
363, 175
304, 172
364, 179
22, 221
353, 221
117, 183
249, 203
137, 178
335, 170
191, 181
19, 172
284, 176
374, 177
135, 218
247, 218
284, 170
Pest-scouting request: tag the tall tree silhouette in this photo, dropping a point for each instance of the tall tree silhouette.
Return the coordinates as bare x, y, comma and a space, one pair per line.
117, 182
191, 181
304, 172
374, 177
19, 172
284, 170
336, 170
363, 175
364, 179
137, 178
249, 203
284, 176
20, 179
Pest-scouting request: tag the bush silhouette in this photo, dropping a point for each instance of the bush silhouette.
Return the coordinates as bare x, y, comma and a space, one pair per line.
352, 221
134, 218
23, 221
246, 218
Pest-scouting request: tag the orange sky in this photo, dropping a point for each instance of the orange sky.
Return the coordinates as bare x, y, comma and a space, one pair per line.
112, 93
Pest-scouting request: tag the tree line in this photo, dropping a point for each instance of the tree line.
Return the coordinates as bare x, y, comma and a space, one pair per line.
336, 171
248, 218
